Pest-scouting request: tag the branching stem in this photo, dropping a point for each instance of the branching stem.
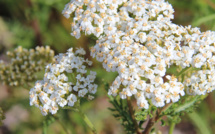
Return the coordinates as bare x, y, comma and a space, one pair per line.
132, 115
155, 118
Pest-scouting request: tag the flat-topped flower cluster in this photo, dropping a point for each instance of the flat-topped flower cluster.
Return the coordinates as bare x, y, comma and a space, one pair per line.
24, 64
137, 39
105, 17
65, 82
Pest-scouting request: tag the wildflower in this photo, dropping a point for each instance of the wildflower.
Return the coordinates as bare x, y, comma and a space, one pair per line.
24, 65
60, 87
138, 40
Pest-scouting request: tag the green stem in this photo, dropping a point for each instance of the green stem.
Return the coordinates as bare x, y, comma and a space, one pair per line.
88, 122
44, 131
62, 125
183, 71
64, 128
77, 108
171, 127
85, 118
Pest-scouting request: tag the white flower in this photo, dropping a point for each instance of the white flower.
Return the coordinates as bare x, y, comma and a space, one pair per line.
90, 97
138, 40
60, 87
44, 109
76, 33
198, 60
71, 99
142, 103
53, 108
82, 93
62, 102
158, 101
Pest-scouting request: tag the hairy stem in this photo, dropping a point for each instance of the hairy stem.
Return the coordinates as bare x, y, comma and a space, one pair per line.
63, 126
151, 123
86, 119
155, 118
132, 115
171, 127
149, 126
88, 122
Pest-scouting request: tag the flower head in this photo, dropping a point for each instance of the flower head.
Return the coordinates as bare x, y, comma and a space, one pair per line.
24, 65
64, 83
138, 40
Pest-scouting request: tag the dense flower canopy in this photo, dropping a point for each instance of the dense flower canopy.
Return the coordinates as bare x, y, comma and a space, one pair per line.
137, 39
105, 17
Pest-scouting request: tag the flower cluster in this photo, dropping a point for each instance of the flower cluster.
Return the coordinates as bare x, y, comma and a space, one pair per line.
201, 82
93, 16
106, 17
143, 45
202, 58
64, 83
141, 68
24, 65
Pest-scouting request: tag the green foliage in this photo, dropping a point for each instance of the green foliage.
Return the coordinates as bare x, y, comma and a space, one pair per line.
2, 117
144, 113
187, 104
121, 113
196, 12
36, 23
22, 35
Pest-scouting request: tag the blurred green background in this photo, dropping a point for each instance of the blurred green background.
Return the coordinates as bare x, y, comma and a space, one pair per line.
31, 23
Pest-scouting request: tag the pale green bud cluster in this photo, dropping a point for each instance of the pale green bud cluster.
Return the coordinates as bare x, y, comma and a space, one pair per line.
24, 65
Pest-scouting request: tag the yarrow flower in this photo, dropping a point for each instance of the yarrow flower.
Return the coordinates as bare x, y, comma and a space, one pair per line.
24, 65
142, 65
93, 16
106, 17
144, 44
64, 83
